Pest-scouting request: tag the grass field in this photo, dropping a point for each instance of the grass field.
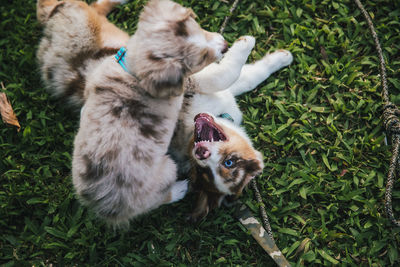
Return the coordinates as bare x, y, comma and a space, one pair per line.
318, 124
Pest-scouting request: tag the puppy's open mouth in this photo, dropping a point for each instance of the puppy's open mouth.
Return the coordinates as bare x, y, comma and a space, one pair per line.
205, 132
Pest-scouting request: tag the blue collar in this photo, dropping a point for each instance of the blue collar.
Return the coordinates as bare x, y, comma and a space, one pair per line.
226, 116
120, 57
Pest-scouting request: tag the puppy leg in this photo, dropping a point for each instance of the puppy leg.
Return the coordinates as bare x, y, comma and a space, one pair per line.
165, 188
254, 74
103, 7
110, 35
219, 76
177, 191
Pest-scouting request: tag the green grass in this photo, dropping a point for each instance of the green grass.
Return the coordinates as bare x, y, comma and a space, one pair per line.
318, 124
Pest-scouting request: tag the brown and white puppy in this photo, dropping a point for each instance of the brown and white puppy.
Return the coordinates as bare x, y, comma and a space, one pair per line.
224, 162
120, 165
221, 157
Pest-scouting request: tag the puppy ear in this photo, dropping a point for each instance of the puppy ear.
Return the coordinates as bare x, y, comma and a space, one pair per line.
201, 209
179, 26
46, 9
166, 78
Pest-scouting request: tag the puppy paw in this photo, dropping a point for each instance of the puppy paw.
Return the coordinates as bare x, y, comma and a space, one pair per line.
230, 200
179, 190
244, 44
281, 58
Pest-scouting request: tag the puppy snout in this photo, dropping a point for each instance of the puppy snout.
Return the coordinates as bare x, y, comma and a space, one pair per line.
222, 44
202, 153
216, 42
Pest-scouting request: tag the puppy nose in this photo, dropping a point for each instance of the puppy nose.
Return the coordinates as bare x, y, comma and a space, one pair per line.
202, 153
225, 47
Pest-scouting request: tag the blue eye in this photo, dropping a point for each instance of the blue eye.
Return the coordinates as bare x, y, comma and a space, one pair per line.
228, 163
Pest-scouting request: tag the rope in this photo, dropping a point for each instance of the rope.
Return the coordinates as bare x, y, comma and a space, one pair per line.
264, 215
390, 120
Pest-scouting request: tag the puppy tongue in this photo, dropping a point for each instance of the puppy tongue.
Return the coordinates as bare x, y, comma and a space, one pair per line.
206, 129
202, 152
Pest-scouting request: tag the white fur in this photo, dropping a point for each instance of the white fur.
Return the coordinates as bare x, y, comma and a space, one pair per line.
178, 190
216, 77
253, 74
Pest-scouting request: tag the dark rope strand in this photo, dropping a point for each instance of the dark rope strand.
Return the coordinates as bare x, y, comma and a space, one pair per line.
390, 180
382, 67
262, 208
390, 121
